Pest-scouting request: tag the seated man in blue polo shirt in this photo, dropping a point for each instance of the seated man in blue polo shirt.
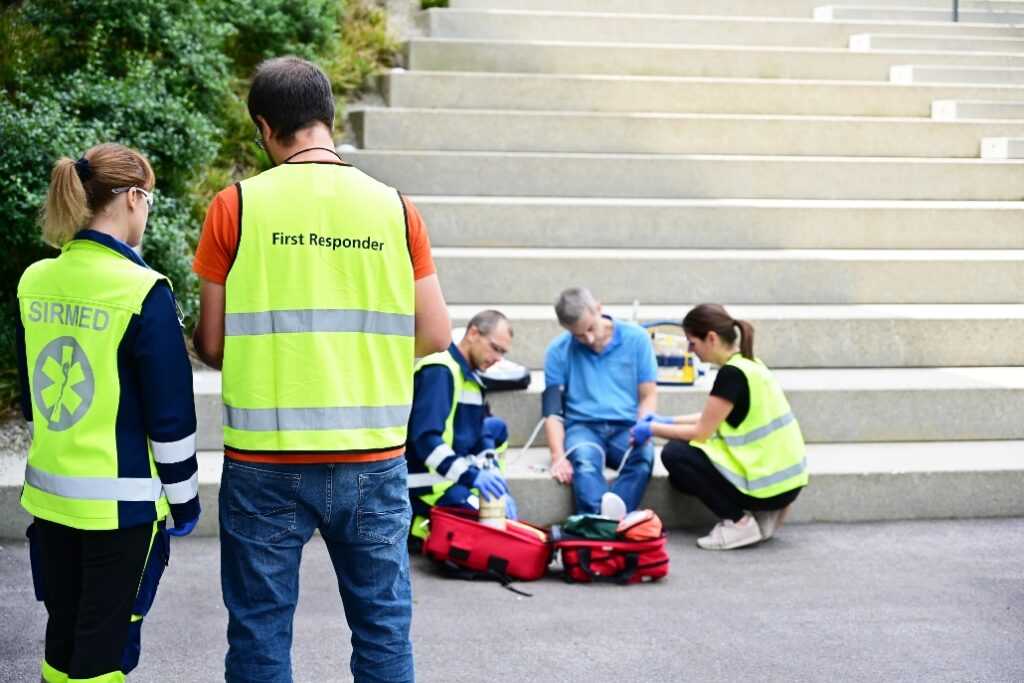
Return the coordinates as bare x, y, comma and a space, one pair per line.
600, 376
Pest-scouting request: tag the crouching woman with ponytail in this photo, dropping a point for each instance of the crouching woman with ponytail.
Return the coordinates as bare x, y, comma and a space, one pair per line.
743, 455
106, 388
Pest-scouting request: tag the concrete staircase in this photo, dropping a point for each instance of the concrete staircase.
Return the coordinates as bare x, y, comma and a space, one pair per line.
818, 169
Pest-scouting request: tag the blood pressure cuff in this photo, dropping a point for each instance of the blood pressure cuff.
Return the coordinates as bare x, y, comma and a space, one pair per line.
552, 401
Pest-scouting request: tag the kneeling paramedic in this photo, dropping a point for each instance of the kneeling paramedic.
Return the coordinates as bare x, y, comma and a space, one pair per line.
106, 387
449, 427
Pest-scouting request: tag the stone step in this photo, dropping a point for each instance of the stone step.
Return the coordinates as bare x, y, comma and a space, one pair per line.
763, 8
849, 404
549, 92
843, 405
921, 73
441, 54
1002, 148
849, 483
381, 128
958, 110
981, 15
672, 30
695, 176
667, 276
720, 223
817, 336
942, 43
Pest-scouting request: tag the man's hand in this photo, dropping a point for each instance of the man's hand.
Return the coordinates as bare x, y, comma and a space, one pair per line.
561, 471
659, 419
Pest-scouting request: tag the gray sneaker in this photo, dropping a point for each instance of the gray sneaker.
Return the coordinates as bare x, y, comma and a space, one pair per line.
768, 521
613, 506
728, 534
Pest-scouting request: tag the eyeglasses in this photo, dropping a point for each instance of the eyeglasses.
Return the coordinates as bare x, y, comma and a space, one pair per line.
148, 196
259, 139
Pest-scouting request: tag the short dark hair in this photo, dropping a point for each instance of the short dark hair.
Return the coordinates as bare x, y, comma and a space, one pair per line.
487, 321
291, 94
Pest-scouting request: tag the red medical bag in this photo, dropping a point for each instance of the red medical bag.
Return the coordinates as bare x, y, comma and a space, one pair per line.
621, 561
521, 551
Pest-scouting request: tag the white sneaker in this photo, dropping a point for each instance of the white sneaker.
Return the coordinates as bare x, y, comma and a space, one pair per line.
768, 521
728, 534
613, 506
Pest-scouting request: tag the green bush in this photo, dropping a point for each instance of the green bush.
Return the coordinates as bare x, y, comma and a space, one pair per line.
167, 77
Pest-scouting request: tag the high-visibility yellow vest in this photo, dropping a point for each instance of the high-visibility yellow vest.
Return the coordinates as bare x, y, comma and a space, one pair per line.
75, 309
319, 315
430, 486
765, 455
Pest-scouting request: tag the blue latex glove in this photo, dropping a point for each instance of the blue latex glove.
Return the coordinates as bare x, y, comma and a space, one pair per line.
511, 509
641, 432
659, 419
490, 484
183, 528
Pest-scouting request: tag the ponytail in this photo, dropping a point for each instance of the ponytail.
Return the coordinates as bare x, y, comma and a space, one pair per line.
80, 189
66, 208
714, 318
746, 339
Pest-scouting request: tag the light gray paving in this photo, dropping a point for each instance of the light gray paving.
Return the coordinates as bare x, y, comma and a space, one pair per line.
598, 222
674, 30
692, 176
905, 601
732, 61
611, 93
393, 128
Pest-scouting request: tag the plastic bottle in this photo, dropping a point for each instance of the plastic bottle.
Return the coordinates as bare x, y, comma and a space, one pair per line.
492, 512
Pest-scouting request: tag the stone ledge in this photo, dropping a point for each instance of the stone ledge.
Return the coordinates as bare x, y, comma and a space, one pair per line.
849, 483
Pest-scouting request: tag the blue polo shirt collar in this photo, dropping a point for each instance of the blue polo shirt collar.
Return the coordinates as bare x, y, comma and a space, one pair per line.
467, 371
111, 243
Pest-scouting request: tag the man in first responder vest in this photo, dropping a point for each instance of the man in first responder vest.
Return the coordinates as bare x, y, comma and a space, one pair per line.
449, 427
318, 291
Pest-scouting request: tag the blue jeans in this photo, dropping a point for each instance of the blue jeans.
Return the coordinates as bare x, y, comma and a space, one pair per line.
586, 440
267, 514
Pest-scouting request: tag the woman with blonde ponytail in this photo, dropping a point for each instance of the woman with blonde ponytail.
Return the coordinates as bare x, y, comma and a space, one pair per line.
743, 455
106, 388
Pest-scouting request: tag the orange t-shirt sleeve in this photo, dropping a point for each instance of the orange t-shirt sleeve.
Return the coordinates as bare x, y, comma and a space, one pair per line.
219, 241
419, 242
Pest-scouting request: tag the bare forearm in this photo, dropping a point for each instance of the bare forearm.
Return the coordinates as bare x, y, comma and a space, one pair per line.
554, 431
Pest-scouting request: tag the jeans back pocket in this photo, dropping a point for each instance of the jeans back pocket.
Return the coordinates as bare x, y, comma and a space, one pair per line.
261, 503
382, 512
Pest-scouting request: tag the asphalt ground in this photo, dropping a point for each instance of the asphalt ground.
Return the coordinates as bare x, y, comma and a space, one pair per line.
895, 601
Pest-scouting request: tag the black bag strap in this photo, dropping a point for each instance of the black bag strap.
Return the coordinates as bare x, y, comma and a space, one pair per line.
632, 562
497, 568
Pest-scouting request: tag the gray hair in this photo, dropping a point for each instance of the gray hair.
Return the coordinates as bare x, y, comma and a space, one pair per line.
486, 321
572, 303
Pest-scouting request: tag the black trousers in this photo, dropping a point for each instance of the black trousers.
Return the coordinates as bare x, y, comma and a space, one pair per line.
90, 581
691, 471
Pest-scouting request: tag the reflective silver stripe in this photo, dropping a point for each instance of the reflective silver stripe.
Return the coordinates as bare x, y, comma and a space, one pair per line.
759, 433
422, 480
764, 482
94, 488
183, 491
438, 455
32, 429
319, 320
315, 419
168, 452
471, 398
457, 468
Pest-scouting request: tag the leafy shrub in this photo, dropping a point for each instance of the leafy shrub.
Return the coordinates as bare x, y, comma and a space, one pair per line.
167, 77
